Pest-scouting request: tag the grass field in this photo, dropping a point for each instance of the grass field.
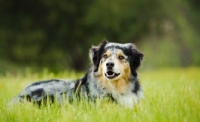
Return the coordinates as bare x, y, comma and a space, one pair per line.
171, 95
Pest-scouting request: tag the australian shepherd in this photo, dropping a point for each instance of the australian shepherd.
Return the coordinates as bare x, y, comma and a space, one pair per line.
113, 74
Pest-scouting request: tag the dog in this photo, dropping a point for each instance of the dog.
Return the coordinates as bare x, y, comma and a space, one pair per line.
113, 75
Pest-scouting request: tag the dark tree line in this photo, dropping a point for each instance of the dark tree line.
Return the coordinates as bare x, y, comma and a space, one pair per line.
58, 33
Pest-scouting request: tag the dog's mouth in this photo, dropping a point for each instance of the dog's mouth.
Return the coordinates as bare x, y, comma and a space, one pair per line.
111, 74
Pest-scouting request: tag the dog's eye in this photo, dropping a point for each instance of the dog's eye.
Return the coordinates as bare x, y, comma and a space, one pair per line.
105, 56
121, 57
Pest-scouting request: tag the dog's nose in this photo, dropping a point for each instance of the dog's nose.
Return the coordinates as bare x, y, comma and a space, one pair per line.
110, 64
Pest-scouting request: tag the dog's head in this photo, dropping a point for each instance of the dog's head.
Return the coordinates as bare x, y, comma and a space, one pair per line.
114, 61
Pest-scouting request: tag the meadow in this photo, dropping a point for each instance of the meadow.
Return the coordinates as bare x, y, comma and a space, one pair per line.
171, 95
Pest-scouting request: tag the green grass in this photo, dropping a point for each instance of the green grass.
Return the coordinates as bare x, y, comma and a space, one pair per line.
171, 95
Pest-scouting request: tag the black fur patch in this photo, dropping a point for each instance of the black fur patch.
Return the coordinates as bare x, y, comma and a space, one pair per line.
136, 87
135, 58
47, 81
82, 83
97, 52
39, 92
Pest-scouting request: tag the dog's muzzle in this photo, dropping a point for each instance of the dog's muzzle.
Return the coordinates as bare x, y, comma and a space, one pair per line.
111, 74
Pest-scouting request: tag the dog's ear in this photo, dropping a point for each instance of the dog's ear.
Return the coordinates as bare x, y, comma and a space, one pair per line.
135, 58
95, 54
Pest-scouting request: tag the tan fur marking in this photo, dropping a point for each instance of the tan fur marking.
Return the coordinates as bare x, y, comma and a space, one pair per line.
119, 52
106, 53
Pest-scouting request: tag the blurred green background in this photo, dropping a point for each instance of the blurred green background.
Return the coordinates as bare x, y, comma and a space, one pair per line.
57, 34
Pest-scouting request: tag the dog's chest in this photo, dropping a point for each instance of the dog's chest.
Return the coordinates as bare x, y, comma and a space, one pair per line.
126, 99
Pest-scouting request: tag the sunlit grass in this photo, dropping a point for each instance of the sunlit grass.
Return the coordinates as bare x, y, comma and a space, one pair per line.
170, 95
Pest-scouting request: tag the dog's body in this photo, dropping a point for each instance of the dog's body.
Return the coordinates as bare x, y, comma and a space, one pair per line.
113, 75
